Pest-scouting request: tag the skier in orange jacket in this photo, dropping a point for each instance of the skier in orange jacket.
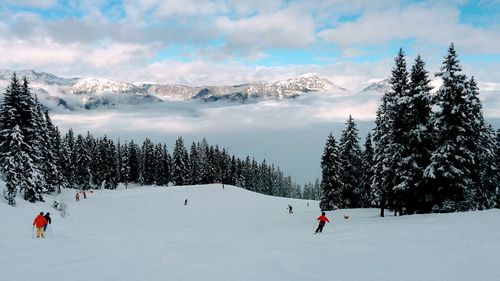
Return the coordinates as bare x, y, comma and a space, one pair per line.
322, 221
39, 222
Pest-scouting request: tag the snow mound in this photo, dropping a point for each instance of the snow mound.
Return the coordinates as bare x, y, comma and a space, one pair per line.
146, 233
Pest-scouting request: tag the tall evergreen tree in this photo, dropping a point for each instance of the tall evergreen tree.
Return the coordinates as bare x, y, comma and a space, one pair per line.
69, 170
195, 165
352, 164
17, 130
134, 162
180, 172
387, 148
148, 162
331, 184
484, 172
125, 168
414, 142
452, 161
82, 164
367, 177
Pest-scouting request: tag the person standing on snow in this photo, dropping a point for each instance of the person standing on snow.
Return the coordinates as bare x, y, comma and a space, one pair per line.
322, 221
77, 196
39, 222
84, 195
48, 221
290, 209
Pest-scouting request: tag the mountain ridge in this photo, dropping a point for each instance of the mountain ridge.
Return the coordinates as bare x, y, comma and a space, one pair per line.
93, 92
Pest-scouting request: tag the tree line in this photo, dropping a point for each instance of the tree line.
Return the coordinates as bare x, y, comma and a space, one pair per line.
430, 152
35, 158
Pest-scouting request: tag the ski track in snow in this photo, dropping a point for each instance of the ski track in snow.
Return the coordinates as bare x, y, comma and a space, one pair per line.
146, 233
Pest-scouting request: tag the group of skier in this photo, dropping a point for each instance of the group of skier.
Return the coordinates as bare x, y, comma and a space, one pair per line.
77, 196
41, 222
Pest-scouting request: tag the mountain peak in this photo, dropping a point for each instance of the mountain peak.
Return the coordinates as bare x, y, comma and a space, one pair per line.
382, 85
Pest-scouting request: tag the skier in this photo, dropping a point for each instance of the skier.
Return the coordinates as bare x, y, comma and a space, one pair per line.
48, 221
84, 195
322, 220
290, 209
39, 222
185, 202
77, 196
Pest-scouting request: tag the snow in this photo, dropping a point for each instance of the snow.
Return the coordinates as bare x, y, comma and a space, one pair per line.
146, 233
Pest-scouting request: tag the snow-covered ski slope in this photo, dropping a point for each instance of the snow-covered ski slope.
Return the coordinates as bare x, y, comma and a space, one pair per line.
232, 234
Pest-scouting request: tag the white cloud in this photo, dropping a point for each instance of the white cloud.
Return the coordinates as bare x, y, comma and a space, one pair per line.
196, 8
288, 28
37, 54
115, 54
435, 24
32, 3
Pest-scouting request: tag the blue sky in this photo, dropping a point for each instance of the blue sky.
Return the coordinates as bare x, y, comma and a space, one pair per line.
219, 42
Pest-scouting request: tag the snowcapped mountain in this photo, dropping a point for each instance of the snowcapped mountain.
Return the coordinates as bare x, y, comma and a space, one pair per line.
37, 77
381, 86
89, 93
100, 85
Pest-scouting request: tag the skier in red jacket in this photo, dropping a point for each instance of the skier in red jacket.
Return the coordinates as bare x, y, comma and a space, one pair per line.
39, 222
322, 221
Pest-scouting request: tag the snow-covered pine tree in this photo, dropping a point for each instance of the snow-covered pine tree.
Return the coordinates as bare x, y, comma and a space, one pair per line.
61, 153
386, 147
351, 165
317, 190
331, 186
233, 172
16, 111
109, 173
247, 173
82, 158
13, 163
240, 177
254, 170
484, 173
414, 143
400, 116
195, 165
180, 168
49, 166
452, 162
134, 162
367, 177
69, 171
167, 164
147, 163
124, 172
159, 158
94, 156
225, 165
202, 152
308, 191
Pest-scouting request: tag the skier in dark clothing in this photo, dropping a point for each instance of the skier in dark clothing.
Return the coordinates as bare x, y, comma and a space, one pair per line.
290, 209
322, 221
49, 221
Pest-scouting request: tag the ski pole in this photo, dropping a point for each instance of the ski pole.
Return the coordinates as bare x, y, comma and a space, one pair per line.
33, 233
